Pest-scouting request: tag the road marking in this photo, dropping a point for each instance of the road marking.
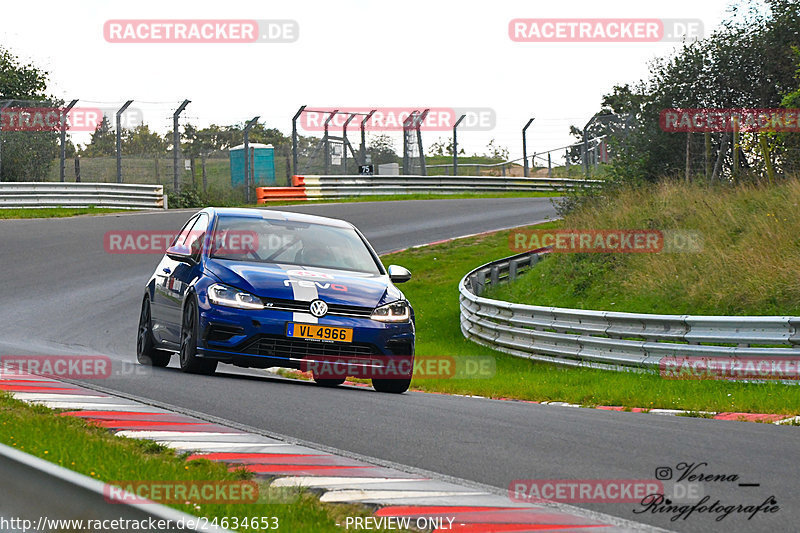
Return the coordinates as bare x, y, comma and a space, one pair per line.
349, 495
308, 481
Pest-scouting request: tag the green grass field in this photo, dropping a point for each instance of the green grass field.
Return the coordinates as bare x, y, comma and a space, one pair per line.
95, 452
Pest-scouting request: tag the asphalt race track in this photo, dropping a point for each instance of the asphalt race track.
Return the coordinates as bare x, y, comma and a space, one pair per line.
63, 293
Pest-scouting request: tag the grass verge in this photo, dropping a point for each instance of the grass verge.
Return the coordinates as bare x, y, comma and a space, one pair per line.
433, 291
96, 452
55, 212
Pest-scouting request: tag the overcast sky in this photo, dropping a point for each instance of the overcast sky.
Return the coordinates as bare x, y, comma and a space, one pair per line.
349, 53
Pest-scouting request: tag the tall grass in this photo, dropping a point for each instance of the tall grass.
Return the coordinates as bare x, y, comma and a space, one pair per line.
749, 263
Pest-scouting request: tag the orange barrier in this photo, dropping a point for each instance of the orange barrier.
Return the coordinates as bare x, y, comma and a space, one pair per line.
298, 181
273, 194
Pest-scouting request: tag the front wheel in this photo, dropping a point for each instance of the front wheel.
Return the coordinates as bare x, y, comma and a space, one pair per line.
146, 352
394, 386
188, 355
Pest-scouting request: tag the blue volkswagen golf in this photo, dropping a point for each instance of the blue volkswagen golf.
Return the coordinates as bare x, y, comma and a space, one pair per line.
260, 288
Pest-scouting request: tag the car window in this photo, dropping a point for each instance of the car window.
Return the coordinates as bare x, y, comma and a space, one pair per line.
195, 236
292, 243
181, 236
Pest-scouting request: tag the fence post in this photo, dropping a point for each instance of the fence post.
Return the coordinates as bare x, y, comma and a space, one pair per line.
455, 146
62, 159
294, 138
118, 123
423, 170
2, 107
364, 137
176, 146
203, 167
525, 148
246, 153
77, 168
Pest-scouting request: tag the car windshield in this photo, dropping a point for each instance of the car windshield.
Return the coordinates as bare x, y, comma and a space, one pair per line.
260, 240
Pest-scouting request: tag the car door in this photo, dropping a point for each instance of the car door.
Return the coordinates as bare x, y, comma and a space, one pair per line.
181, 276
162, 302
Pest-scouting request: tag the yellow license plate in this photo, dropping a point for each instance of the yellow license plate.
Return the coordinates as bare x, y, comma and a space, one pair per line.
323, 333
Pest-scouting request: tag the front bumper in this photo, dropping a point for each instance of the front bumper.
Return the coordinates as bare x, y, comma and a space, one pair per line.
258, 339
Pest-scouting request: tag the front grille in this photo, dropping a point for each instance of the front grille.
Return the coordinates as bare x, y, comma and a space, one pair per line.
333, 309
276, 346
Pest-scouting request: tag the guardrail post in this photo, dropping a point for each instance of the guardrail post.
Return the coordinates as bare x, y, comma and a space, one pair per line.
512, 270
63, 132
525, 148
494, 274
479, 282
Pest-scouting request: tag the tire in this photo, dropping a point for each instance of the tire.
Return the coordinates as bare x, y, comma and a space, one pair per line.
190, 363
394, 386
322, 382
146, 352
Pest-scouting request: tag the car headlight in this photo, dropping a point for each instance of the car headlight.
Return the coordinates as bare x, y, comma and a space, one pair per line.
229, 297
394, 312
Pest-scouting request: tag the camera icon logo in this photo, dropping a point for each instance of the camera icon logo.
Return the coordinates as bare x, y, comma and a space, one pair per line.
663, 473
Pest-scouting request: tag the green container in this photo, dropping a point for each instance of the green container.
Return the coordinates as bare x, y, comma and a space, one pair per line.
262, 159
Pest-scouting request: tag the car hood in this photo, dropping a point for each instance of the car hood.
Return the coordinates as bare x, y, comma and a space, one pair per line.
291, 282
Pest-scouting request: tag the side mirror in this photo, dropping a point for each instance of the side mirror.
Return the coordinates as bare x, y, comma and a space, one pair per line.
398, 274
180, 253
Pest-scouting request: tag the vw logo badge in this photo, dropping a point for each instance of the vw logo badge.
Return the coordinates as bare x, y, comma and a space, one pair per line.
318, 308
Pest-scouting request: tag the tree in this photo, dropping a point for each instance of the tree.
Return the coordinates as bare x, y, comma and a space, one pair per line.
26, 155
103, 141
381, 149
747, 63
141, 141
443, 146
495, 151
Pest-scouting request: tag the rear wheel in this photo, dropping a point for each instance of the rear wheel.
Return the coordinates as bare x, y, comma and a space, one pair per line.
188, 355
394, 386
146, 352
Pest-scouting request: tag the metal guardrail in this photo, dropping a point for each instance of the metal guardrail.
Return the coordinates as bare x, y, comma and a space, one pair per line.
39, 491
606, 339
115, 195
315, 187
